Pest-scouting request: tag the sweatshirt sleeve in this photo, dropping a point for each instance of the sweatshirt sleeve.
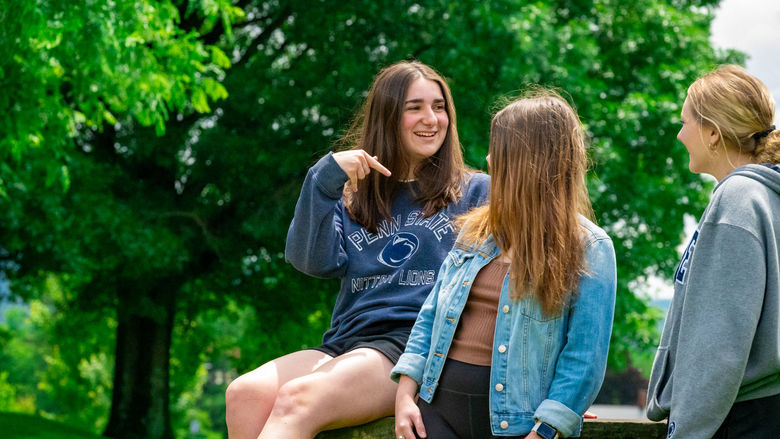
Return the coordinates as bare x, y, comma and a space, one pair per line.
315, 239
582, 362
723, 301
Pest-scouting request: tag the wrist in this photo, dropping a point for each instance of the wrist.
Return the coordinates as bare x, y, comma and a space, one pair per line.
546, 431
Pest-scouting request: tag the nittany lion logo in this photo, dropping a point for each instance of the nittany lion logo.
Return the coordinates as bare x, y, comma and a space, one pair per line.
679, 275
400, 248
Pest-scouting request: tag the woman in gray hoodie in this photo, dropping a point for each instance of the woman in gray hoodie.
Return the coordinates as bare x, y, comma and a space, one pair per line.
717, 369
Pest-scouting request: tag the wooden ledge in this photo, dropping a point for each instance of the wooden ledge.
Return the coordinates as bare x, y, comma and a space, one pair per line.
384, 428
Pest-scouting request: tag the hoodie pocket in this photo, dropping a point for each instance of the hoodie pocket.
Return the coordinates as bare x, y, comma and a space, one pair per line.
657, 405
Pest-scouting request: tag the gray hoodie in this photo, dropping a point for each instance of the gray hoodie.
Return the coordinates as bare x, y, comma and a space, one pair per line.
721, 339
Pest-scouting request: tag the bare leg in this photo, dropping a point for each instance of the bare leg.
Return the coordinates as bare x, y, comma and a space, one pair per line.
251, 396
350, 389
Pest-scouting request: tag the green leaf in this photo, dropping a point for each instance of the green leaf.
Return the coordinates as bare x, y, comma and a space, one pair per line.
109, 117
65, 178
219, 58
199, 101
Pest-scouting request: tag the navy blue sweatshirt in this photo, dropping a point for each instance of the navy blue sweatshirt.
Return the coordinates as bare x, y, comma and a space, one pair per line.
385, 277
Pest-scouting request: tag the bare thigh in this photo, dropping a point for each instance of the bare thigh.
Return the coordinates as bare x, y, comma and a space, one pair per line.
265, 381
350, 389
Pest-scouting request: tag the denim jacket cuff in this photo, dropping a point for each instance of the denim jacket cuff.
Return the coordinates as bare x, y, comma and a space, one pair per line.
564, 419
411, 365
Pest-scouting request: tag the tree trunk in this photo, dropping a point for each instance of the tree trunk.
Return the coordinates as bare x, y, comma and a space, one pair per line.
139, 407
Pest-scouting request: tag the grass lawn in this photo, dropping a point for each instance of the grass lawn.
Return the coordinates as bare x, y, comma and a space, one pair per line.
21, 426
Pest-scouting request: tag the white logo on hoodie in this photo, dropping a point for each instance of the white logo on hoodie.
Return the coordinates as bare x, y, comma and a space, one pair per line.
679, 276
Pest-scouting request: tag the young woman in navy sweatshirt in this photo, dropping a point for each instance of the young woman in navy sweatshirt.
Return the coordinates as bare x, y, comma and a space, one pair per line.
379, 217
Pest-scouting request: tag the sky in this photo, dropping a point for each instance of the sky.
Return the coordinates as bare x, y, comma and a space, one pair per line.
752, 27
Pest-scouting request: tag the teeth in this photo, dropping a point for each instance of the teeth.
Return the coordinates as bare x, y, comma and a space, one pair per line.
425, 134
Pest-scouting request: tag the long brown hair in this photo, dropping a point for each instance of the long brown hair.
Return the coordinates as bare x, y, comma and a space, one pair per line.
740, 107
537, 165
377, 130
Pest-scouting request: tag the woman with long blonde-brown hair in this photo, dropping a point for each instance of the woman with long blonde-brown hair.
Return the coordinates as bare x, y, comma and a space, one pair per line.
513, 338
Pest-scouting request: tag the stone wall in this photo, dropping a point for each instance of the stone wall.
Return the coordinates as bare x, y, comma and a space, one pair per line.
594, 428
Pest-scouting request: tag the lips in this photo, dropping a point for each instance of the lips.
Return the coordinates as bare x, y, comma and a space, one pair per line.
425, 133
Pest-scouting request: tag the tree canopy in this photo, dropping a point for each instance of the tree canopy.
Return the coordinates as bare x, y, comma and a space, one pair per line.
173, 138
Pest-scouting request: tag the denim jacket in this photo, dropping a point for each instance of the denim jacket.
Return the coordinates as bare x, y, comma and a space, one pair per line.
543, 368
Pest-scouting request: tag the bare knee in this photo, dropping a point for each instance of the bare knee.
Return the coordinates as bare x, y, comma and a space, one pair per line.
245, 389
296, 398
235, 391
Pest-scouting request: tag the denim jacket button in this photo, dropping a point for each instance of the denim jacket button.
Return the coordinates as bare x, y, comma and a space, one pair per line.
499, 387
505, 309
502, 349
504, 425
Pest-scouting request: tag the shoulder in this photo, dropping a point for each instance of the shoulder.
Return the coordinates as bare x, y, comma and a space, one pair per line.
599, 263
475, 185
465, 248
476, 180
738, 189
593, 233
743, 199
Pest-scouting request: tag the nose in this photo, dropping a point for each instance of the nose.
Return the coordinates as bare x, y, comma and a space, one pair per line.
429, 117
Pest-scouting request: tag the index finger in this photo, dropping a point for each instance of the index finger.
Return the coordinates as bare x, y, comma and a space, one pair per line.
419, 426
374, 163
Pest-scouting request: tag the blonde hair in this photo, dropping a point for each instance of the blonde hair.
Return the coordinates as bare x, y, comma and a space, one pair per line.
537, 164
740, 108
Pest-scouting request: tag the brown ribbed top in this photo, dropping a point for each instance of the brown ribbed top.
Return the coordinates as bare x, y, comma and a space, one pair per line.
473, 339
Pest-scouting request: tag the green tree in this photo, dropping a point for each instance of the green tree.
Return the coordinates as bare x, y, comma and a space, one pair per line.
78, 64
166, 231
50, 374
624, 65
75, 70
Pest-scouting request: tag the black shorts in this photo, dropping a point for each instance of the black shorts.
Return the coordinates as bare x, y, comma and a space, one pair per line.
391, 344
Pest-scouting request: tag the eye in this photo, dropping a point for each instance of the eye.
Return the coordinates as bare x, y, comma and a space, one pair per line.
439, 107
413, 108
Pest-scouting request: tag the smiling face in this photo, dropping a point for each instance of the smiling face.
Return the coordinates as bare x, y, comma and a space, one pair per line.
697, 140
424, 122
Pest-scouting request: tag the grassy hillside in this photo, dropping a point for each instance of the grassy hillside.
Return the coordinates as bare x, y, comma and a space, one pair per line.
21, 426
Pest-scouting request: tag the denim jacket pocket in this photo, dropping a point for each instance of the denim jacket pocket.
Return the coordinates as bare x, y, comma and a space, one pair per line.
531, 308
542, 337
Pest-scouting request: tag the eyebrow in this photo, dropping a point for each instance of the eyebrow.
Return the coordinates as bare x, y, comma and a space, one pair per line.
417, 101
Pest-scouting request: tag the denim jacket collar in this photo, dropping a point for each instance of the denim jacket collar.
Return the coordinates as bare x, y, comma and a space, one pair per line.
462, 251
